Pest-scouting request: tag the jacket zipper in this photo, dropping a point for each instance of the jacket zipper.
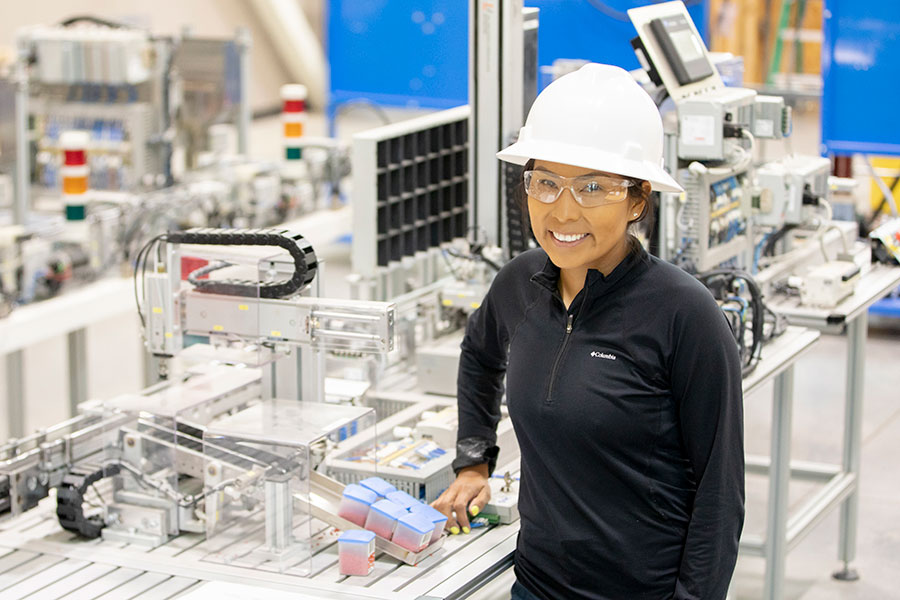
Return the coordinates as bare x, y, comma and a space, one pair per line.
562, 349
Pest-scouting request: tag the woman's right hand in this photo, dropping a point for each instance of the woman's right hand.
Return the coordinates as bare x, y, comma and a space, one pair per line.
468, 494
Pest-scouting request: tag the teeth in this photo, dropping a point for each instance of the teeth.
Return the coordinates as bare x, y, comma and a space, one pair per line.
568, 238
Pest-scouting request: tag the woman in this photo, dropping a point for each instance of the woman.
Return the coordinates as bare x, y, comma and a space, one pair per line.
623, 377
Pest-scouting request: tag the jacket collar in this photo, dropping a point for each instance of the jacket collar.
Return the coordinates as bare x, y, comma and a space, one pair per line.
548, 276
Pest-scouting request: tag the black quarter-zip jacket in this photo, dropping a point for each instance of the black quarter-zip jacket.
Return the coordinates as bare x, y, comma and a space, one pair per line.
628, 411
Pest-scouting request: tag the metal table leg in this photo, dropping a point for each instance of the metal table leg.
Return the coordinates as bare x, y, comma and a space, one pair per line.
15, 393
775, 549
77, 353
856, 351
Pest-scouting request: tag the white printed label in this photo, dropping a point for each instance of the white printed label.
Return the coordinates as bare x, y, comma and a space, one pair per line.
765, 128
698, 130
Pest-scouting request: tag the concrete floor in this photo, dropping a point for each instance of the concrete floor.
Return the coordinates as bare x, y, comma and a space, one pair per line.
817, 432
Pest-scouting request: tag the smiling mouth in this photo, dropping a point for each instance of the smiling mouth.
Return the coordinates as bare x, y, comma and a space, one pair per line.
568, 238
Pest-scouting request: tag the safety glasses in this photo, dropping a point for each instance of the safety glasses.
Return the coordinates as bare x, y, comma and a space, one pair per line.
588, 190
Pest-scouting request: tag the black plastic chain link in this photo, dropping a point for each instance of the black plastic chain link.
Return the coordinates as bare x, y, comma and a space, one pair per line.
299, 248
70, 499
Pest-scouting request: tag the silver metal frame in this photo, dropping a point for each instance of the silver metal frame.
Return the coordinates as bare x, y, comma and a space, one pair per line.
496, 91
23, 185
781, 356
841, 482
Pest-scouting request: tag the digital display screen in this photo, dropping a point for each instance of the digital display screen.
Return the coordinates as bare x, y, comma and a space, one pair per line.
682, 48
686, 44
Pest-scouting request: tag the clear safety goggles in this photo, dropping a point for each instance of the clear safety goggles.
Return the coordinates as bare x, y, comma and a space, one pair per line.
588, 190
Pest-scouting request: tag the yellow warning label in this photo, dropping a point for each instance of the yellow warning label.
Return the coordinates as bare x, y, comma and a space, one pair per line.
447, 302
218, 328
275, 333
243, 307
157, 310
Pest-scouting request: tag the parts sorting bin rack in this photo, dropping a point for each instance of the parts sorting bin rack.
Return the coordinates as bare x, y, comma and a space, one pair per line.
410, 188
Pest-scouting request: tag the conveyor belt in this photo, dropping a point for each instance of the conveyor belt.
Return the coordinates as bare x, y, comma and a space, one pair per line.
40, 560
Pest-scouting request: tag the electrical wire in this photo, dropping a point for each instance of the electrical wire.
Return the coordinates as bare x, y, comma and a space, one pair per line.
774, 238
726, 280
619, 15
829, 213
140, 265
757, 252
450, 266
194, 276
875, 213
95, 20
747, 135
743, 161
840, 236
356, 103
886, 193
679, 218
476, 256
609, 11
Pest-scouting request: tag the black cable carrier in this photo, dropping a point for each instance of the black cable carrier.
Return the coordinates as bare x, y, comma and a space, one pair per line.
299, 248
5, 500
70, 499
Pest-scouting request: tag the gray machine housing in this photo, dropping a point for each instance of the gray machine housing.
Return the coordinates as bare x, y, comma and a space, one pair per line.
782, 184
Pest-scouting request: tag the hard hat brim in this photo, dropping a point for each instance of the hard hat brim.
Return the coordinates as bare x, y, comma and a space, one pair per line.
590, 158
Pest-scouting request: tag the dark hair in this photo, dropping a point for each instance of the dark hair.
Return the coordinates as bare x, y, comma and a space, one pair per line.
644, 221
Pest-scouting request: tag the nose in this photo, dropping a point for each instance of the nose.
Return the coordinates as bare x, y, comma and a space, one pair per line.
566, 208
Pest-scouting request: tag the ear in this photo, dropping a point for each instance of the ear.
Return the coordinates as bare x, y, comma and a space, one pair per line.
640, 205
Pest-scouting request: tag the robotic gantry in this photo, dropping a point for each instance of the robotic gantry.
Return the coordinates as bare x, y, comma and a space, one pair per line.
229, 450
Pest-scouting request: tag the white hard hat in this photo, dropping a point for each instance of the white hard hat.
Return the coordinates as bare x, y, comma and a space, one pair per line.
596, 118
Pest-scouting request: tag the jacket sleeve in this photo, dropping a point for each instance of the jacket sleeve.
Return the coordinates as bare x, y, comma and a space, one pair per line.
706, 382
482, 366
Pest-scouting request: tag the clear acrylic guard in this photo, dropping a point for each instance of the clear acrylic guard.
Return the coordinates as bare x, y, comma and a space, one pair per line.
257, 480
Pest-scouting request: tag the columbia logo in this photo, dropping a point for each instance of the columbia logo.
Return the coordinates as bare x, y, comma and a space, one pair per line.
603, 355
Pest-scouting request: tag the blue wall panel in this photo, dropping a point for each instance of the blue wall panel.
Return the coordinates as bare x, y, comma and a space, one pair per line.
595, 30
399, 53
861, 72
414, 52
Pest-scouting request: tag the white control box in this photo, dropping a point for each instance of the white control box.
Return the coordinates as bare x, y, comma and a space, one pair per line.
827, 285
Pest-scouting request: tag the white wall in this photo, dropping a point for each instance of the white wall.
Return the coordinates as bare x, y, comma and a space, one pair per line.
207, 18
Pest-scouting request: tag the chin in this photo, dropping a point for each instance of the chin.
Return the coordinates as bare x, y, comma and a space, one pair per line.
566, 259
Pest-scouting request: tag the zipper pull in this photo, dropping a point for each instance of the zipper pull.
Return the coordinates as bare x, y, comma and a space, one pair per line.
569, 324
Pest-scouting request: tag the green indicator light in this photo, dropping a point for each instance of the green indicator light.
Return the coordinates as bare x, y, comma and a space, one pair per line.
75, 212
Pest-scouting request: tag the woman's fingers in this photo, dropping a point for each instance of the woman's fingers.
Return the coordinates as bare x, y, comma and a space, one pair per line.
472, 484
445, 504
460, 506
481, 500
